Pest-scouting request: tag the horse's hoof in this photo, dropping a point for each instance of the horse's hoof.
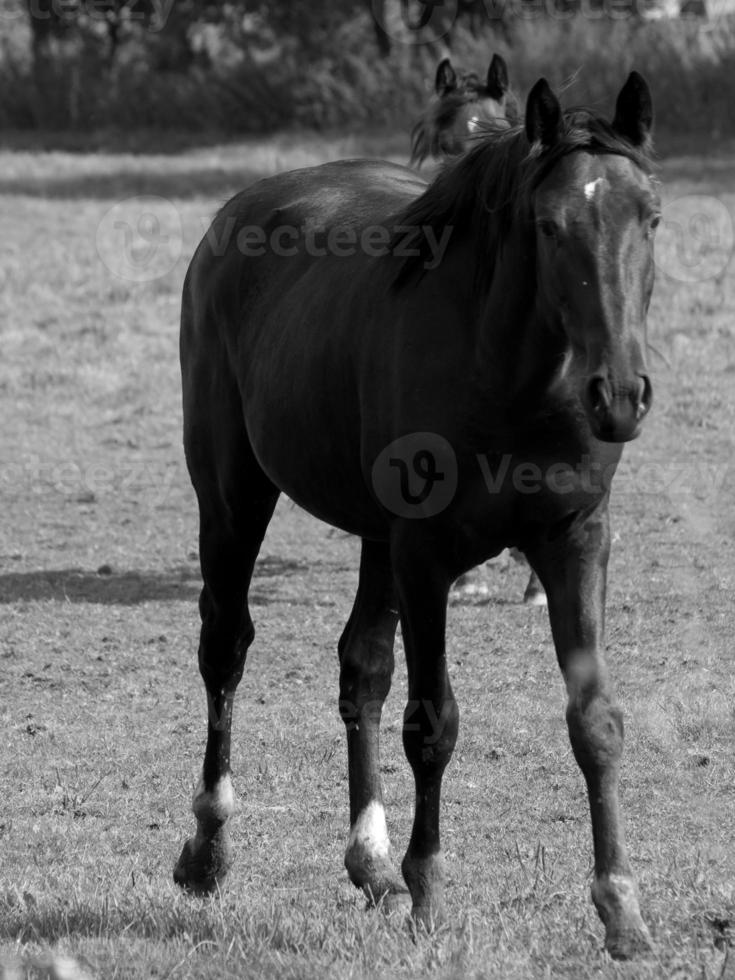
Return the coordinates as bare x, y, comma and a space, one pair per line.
627, 944
616, 900
394, 903
427, 918
425, 878
203, 865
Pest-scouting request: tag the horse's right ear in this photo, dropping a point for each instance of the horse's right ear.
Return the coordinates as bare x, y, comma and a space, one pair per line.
543, 115
634, 111
446, 77
497, 78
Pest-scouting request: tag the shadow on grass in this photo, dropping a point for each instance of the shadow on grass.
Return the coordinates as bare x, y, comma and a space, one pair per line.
76, 585
179, 584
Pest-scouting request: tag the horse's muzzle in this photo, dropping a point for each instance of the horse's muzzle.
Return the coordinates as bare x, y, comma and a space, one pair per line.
615, 412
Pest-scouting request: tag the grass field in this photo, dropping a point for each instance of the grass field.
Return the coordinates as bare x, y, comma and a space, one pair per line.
101, 704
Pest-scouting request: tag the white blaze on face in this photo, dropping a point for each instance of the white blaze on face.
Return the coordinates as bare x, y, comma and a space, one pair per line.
370, 831
473, 124
591, 188
566, 364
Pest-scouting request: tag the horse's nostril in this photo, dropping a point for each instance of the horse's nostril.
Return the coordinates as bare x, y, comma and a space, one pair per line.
644, 396
598, 393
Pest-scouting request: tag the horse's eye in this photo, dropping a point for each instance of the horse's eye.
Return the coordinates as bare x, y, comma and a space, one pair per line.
547, 227
653, 224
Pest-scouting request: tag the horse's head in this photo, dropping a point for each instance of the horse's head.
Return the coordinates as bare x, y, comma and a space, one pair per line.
475, 102
595, 210
464, 106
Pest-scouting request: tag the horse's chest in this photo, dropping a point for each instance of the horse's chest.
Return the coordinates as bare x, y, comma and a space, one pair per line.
503, 495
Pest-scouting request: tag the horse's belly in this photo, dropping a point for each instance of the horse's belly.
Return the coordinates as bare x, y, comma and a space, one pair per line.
332, 492
308, 445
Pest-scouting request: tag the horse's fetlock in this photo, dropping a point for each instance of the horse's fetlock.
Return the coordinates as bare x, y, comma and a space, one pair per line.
214, 807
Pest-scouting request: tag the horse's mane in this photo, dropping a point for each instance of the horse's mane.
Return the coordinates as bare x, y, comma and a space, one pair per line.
491, 185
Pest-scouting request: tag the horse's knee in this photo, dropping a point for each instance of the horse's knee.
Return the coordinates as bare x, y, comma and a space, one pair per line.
595, 731
366, 672
227, 633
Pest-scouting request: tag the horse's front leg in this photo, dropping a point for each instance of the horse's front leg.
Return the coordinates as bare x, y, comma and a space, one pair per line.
573, 569
431, 718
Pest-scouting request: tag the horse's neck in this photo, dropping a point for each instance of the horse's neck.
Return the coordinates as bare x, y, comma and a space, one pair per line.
516, 341
518, 352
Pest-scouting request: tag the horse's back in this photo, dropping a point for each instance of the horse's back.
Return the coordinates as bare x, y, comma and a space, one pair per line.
263, 240
345, 192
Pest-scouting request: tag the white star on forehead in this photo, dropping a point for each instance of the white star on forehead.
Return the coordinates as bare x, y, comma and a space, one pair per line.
591, 187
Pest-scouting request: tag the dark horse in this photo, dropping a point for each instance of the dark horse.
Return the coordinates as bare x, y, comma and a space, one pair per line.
441, 409
463, 106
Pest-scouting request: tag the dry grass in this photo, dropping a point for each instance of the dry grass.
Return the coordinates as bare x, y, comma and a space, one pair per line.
102, 708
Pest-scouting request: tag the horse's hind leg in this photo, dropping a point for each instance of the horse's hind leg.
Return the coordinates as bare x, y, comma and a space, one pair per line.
366, 668
236, 502
534, 594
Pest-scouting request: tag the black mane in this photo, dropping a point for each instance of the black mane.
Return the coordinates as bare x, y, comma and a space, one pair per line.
491, 185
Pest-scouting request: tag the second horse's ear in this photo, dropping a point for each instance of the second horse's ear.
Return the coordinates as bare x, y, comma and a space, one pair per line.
497, 78
634, 110
446, 77
543, 115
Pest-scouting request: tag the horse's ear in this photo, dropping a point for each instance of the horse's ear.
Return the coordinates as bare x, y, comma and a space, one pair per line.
543, 115
446, 77
497, 78
634, 110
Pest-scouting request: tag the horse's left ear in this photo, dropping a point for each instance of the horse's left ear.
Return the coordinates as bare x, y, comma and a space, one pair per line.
543, 115
497, 78
634, 110
446, 77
